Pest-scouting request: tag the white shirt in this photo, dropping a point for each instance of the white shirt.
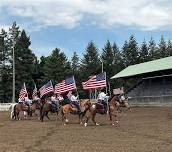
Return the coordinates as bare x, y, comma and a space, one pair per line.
73, 98
20, 100
60, 98
102, 96
53, 99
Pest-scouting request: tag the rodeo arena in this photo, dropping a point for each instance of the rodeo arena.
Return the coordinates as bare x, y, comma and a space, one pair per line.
138, 119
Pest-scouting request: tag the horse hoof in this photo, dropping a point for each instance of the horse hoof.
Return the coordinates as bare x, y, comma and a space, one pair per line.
113, 124
85, 124
66, 120
117, 122
97, 124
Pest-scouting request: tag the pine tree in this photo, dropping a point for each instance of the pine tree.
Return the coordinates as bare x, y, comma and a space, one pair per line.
5, 79
169, 48
152, 49
75, 62
90, 64
56, 67
108, 59
162, 49
24, 62
144, 52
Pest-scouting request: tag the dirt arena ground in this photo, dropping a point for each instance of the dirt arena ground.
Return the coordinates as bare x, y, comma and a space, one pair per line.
147, 129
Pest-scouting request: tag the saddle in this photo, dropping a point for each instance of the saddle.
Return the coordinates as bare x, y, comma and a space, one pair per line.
101, 107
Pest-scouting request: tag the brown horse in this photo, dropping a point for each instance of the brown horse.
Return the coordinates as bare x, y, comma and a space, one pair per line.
46, 107
71, 109
94, 108
124, 104
34, 107
17, 108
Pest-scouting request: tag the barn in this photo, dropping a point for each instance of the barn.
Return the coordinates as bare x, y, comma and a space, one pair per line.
153, 82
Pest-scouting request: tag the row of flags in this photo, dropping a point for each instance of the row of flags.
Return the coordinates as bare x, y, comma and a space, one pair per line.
95, 82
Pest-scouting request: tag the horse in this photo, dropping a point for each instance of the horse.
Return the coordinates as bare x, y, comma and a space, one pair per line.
94, 108
46, 107
36, 105
71, 109
17, 108
124, 103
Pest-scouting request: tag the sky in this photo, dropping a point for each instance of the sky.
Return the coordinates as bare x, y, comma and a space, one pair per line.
71, 24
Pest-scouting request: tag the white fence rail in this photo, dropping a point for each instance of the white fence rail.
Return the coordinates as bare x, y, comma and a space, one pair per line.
5, 106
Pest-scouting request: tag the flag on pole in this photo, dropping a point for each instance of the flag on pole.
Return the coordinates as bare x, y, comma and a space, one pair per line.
66, 85
47, 88
34, 94
23, 92
96, 81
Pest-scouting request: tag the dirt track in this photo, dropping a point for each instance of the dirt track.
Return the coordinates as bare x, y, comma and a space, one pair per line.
144, 130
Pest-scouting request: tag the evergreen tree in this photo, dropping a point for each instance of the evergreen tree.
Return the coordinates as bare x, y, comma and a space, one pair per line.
90, 64
75, 62
5, 79
162, 49
152, 49
169, 48
24, 63
56, 67
125, 52
144, 56
108, 59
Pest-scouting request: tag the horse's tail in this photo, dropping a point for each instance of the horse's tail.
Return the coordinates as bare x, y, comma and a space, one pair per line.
13, 111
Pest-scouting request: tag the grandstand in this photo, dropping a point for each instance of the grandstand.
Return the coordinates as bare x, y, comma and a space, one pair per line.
154, 84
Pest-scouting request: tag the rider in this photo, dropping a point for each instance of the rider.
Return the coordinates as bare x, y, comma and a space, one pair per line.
102, 98
54, 101
74, 100
59, 98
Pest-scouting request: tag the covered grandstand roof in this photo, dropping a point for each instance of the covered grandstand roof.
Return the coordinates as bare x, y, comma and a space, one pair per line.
146, 67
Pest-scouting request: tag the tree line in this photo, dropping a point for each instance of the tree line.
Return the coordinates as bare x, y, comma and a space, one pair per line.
56, 66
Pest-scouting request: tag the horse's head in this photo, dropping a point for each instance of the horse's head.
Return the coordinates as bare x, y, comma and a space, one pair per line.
85, 103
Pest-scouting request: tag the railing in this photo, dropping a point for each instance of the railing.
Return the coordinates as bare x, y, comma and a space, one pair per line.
5, 106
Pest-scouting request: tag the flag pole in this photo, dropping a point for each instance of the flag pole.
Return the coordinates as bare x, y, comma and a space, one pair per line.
76, 90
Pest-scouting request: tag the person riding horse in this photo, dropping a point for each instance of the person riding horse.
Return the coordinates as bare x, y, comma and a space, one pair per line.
54, 102
74, 100
102, 99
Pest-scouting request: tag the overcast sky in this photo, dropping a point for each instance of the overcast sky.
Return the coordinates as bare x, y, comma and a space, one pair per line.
71, 24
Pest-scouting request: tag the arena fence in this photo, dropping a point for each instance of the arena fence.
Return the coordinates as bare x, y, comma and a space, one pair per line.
5, 106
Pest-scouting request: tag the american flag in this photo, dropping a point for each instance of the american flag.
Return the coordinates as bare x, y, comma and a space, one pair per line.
23, 92
96, 81
34, 94
47, 88
66, 85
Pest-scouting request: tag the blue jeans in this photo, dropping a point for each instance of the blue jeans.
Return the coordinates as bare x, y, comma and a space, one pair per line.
76, 103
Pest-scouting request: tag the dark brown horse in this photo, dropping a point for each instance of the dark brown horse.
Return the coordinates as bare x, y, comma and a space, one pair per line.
46, 107
17, 108
71, 109
94, 108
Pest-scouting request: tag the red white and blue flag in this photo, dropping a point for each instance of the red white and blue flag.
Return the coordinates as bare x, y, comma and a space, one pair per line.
95, 82
23, 92
35, 91
66, 85
47, 88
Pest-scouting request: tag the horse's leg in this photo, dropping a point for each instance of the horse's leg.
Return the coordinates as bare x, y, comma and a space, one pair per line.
93, 119
46, 114
128, 106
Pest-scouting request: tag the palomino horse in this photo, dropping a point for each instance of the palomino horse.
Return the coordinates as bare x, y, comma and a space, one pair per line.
71, 109
46, 107
94, 108
16, 109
